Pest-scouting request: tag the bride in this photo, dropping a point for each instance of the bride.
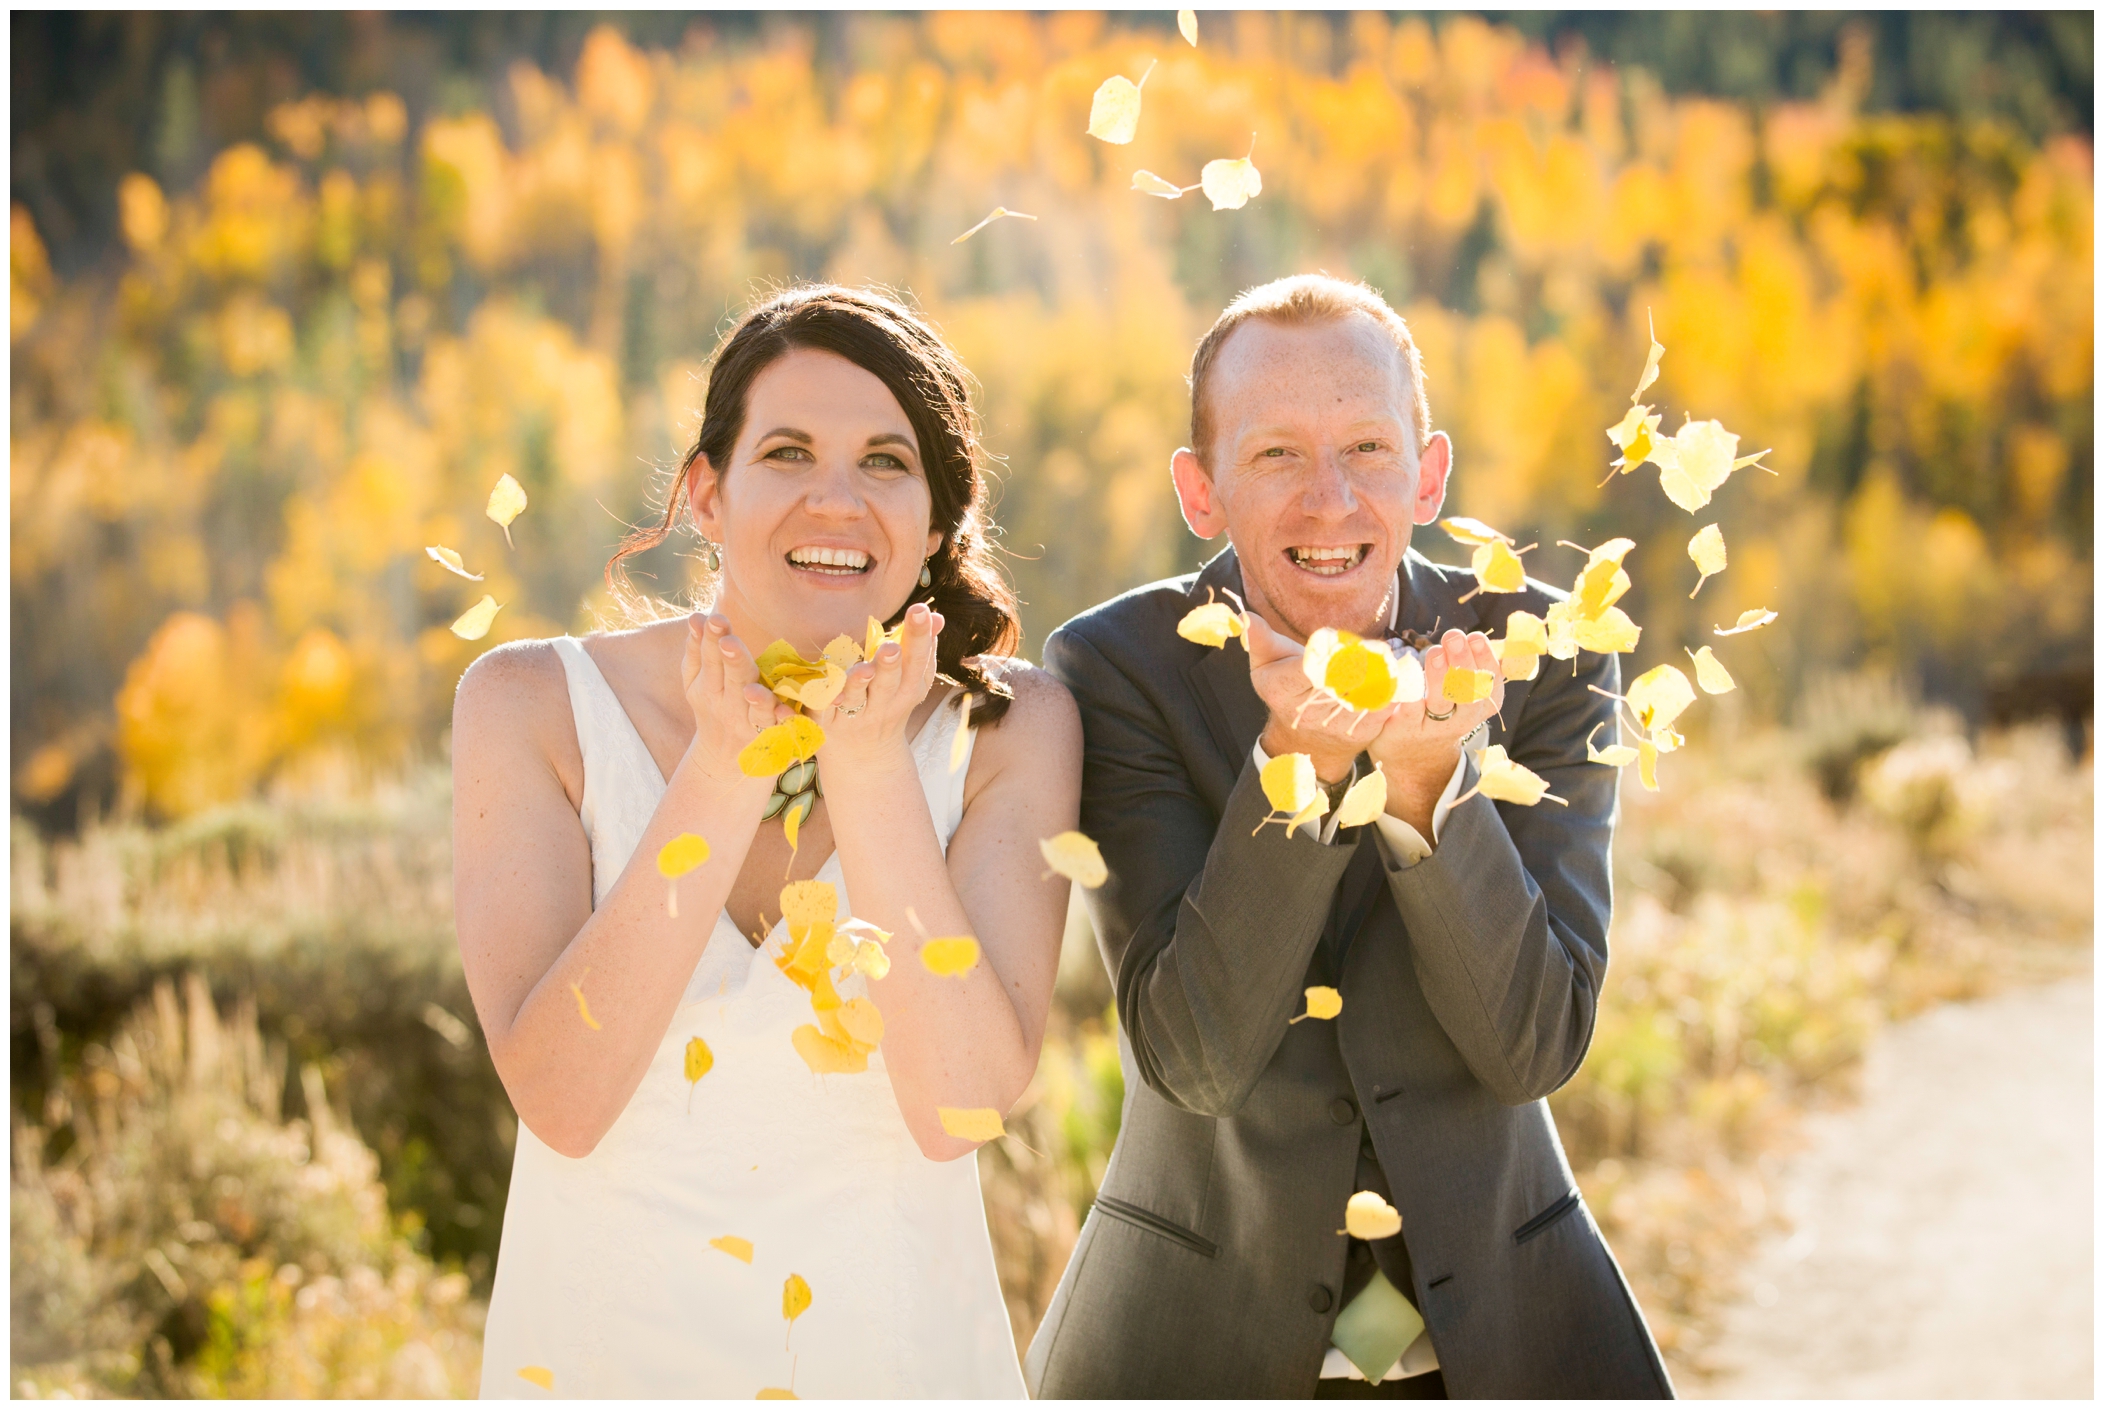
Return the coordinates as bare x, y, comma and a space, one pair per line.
707, 1199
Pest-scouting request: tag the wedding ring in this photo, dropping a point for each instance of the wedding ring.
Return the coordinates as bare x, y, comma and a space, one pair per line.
1447, 716
852, 709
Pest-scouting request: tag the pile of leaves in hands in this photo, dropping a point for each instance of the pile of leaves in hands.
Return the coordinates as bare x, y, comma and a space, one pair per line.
173, 1234
335, 919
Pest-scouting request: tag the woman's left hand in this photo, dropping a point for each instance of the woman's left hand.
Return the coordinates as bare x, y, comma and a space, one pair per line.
867, 726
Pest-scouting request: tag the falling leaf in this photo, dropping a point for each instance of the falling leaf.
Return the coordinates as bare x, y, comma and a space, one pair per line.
1364, 800
584, 1011
1658, 696
1473, 532
1647, 764
961, 742
876, 636
777, 1393
1609, 632
1368, 1216
1114, 116
950, 955
1707, 549
1323, 1002
447, 559
979, 1123
678, 857
779, 746
1636, 436
740, 1249
825, 1055
1290, 786
539, 1375
1710, 673
507, 500
1497, 569
473, 624
1212, 624
863, 1022
1230, 183
1650, 361
1698, 460
1465, 686
808, 903
699, 1061
1148, 184
1602, 581
997, 213
796, 1300
842, 651
1520, 650
1615, 756
1187, 26
1076, 858
1752, 619
1355, 670
1507, 781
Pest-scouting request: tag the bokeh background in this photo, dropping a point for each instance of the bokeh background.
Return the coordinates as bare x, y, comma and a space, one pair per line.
290, 292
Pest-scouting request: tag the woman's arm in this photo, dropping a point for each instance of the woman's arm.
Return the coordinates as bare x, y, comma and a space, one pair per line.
522, 883
969, 1041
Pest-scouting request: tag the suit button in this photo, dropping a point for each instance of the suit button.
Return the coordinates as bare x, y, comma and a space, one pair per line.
1319, 1298
1344, 1111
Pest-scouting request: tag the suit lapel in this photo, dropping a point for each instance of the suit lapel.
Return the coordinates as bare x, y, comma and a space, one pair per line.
1219, 679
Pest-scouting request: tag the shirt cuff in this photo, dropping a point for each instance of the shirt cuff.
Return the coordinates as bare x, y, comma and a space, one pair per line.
1405, 841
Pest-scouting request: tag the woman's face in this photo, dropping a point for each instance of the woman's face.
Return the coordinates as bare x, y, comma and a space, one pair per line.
823, 513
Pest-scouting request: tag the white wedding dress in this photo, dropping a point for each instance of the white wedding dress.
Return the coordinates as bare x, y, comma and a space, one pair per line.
606, 1278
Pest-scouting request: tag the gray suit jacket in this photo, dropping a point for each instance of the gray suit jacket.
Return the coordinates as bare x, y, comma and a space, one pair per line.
1213, 1262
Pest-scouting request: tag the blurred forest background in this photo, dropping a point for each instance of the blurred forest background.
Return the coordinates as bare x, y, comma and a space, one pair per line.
290, 292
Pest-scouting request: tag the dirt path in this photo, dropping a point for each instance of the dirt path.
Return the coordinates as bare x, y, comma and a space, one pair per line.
1940, 1231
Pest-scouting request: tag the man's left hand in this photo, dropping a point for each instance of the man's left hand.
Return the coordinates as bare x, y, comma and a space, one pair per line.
1417, 749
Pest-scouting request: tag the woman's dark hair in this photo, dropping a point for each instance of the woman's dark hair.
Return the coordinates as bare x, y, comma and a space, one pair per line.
892, 344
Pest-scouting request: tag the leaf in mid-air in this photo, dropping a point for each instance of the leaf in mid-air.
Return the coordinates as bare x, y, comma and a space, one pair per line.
1368, 1216
1614, 756
1148, 184
796, 1301
1506, 781
1114, 115
539, 1375
950, 955
1230, 183
1290, 786
447, 559
473, 624
1658, 696
997, 213
1323, 1002
1212, 624
1472, 532
740, 1249
1464, 685
1520, 650
1187, 26
1710, 673
675, 859
1075, 857
1497, 568
1752, 619
584, 1010
1707, 549
980, 1123
507, 501
1364, 800
826, 1055
778, 746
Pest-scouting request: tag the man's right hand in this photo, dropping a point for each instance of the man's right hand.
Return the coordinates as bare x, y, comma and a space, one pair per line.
1329, 733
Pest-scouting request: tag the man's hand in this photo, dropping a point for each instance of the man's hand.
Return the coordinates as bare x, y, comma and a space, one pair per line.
1328, 732
1417, 750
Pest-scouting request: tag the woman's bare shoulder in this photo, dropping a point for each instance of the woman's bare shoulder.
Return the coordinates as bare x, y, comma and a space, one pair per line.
517, 696
1041, 717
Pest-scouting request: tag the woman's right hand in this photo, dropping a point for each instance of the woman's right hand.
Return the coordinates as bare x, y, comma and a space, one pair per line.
723, 689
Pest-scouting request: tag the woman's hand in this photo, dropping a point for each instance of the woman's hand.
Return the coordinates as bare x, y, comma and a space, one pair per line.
723, 689
867, 726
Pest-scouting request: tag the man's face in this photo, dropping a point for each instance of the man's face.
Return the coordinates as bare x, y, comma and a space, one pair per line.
1316, 475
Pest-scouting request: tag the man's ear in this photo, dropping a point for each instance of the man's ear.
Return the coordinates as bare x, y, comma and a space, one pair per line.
705, 500
1433, 467
1196, 494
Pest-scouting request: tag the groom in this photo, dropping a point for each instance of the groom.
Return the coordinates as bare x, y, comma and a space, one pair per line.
1467, 938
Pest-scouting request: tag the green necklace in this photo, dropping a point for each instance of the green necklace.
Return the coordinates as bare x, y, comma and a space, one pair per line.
796, 787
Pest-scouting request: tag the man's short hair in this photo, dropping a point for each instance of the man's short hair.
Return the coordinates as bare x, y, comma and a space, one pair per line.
1298, 301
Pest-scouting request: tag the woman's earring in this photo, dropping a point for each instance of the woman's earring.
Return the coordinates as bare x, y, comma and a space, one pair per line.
927, 579
713, 556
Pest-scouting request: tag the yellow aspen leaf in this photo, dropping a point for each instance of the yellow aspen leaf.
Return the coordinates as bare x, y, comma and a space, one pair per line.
1602, 581
1368, 1216
1231, 183
808, 903
997, 213
539, 1375
740, 1249
826, 1056
1465, 686
863, 1021
507, 501
1710, 673
781, 661
779, 746
1615, 756
950, 955
817, 693
1075, 857
1658, 696
1114, 115
1506, 780
824, 997
447, 559
1647, 764
1359, 672
1322, 1001
699, 1061
842, 651
796, 1300
792, 823
1517, 664
1650, 361
1290, 784
1212, 624
681, 855
1520, 650
1752, 619
584, 1010
979, 1123
961, 742
1497, 569
1187, 26
473, 624
1609, 632
1707, 549
1473, 532
1701, 457
1148, 184
1635, 435
876, 636
1364, 800
777, 1393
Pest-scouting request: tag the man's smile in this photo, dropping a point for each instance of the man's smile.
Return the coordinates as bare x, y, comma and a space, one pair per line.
1329, 561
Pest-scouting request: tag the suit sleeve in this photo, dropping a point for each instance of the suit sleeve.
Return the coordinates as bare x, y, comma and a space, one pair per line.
1508, 916
1207, 922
